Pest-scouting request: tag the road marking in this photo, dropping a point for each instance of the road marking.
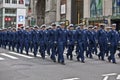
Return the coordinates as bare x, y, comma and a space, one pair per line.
32, 54
106, 78
21, 55
72, 79
1, 59
9, 56
111, 74
118, 77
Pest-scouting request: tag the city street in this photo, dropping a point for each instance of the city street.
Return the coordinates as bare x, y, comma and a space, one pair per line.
15, 66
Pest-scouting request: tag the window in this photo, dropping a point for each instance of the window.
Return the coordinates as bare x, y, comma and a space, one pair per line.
10, 11
116, 7
21, 2
7, 1
96, 8
14, 1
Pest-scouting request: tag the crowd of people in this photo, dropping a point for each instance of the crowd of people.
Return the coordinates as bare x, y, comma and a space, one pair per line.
86, 41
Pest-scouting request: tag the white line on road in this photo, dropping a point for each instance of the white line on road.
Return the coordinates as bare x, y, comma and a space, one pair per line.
1, 59
9, 56
72, 79
106, 78
111, 74
118, 77
32, 54
21, 55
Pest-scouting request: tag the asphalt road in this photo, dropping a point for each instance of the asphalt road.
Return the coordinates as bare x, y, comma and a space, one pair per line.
14, 66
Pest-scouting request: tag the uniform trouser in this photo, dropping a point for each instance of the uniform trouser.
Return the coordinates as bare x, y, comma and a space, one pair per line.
102, 50
54, 51
35, 44
5, 43
90, 50
42, 49
94, 48
107, 50
21, 46
85, 46
61, 47
48, 47
31, 46
18, 46
80, 51
77, 49
13, 45
0, 43
27, 45
113, 49
10, 44
70, 50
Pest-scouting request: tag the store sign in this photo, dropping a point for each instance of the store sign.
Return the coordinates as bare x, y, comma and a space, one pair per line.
21, 18
63, 9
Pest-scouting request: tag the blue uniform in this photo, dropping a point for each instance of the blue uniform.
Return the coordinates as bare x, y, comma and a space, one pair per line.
18, 40
22, 40
80, 45
13, 34
102, 41
35, 41
70, 41
42, 43
53, 41
113, 39
27, 41
47, 41
62, 40
95, 43
91, 43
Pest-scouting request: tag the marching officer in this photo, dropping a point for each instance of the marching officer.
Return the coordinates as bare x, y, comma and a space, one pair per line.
113, 39
91, 41
27, 39
22, 39
102, 41
31, 38
42, 40
70, 41
13, 39
80, 45
62, 40
9, 40
96, 42
17, 40
35, 40
53, 41
108, 29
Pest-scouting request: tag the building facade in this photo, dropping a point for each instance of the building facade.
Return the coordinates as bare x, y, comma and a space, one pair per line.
12, 13
102, 11
70, 11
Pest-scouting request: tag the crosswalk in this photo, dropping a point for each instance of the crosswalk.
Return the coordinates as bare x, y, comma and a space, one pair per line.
15, 56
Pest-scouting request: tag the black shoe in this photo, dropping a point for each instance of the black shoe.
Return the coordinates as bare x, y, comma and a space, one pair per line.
119, 55
99, 57
71, 58
62, 63
58, 61
114, 62
109, 60
78, 59
67, 56
83, 61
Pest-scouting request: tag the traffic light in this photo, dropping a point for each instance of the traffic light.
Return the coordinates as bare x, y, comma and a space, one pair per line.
7, 19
